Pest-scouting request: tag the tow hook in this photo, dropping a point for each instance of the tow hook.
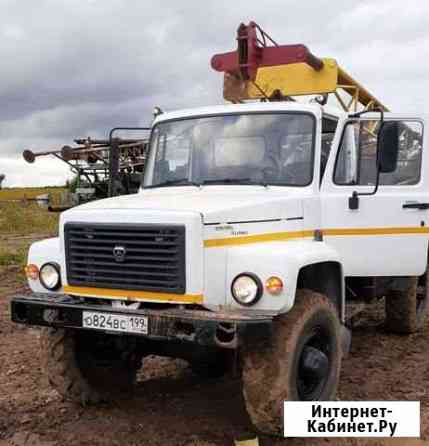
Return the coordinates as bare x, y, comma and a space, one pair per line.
226, 335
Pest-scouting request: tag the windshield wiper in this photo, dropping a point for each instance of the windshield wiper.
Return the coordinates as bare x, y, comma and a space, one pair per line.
181, 182
186, 182
226, 180
245, 181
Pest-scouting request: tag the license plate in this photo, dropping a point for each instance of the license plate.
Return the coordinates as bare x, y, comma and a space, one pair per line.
114, 322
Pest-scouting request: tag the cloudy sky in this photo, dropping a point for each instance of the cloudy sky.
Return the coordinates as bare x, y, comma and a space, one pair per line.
73, 68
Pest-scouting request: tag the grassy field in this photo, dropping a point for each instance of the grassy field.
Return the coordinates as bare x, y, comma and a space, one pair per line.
16, 258
21, 219
20, 225
22, 193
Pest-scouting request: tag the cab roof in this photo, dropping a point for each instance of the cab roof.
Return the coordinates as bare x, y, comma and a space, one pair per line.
253, 107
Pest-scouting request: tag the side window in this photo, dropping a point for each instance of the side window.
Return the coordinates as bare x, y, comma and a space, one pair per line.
329, 127
357, 158
346, 167
327, 139
410, 155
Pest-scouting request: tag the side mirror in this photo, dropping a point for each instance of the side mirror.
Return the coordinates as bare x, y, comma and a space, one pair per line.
388, 146
387, 157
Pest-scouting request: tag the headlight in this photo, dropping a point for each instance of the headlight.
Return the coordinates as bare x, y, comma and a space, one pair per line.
49, 276
246, 289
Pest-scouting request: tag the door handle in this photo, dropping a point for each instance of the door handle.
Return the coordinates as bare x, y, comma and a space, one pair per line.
420, 206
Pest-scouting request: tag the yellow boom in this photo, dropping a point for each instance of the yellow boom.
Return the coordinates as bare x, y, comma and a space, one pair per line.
279, 72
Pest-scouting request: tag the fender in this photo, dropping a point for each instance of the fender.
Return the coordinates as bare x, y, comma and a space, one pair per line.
48, 250
282, 259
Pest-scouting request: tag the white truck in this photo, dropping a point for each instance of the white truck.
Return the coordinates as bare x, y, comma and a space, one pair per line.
256, 224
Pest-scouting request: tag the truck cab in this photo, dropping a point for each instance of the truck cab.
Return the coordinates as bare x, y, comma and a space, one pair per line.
255, 226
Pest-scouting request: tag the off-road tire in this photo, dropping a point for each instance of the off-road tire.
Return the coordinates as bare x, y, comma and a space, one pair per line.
270, 369
77, 374
406, 309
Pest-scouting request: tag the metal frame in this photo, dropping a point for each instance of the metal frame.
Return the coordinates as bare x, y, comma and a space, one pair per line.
114, 157
279, 66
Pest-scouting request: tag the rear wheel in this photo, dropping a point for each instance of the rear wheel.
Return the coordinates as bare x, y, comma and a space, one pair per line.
407, 305
301, 362
406, 308
87, 367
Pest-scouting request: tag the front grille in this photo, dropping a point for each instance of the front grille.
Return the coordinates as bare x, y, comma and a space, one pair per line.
132, 257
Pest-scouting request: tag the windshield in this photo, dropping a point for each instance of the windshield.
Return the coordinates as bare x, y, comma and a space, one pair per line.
267, 149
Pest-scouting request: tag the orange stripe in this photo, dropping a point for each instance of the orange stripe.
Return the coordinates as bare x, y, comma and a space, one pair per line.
283, 236
106, 293
377, 231
258, 238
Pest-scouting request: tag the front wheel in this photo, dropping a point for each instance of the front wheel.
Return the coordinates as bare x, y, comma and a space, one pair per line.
88, 367
301, 362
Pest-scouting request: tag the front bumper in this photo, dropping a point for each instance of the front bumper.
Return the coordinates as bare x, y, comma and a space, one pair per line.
225, 329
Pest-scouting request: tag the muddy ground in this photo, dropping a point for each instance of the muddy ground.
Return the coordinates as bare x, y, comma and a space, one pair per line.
172, 407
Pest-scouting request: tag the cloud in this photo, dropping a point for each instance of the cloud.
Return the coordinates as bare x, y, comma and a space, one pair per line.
51, 172
73, 68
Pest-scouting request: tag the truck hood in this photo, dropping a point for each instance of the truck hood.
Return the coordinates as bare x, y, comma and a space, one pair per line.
215, 204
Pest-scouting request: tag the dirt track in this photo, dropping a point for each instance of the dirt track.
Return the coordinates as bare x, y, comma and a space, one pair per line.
172, 407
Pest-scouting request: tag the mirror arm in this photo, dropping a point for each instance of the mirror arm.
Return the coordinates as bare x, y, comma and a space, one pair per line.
354, 199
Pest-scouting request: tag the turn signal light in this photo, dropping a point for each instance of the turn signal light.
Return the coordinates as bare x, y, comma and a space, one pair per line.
274, 285
32, 272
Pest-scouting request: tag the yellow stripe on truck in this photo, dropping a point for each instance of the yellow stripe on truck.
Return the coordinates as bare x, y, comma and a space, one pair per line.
376, 231
107, 293
258, 238
293, 235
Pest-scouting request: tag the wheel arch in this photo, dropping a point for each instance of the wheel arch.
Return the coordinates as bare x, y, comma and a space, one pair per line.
291, 261
326, 278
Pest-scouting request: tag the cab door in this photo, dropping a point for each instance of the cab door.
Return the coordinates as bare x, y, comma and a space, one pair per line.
387, 235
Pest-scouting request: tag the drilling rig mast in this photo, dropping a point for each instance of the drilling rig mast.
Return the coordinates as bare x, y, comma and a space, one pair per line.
262, 69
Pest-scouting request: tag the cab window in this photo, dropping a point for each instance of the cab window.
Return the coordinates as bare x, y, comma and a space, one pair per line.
357, 157
329, 126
